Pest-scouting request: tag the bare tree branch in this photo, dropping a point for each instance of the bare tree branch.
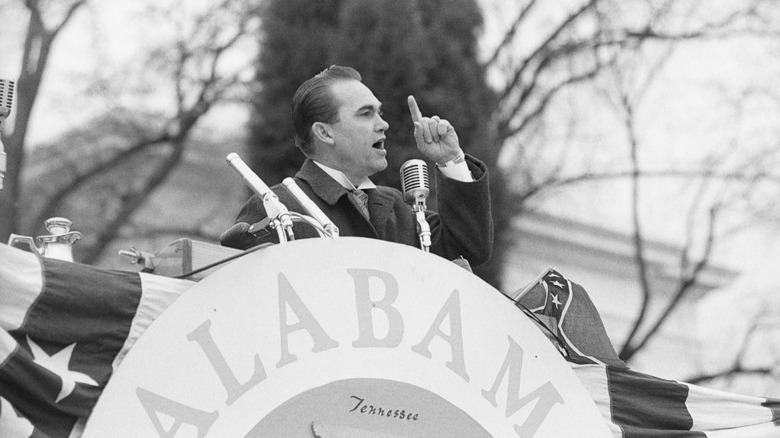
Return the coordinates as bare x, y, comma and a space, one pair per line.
56, 199
510, 33
210, 88
738, 367
505, 131
132, 200
638, 235
71, 10
686, 283
543, 47
555, 181
199, 83
731, 372
35, 56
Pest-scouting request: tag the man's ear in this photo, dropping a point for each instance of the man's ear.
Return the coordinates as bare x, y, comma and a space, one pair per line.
323, 132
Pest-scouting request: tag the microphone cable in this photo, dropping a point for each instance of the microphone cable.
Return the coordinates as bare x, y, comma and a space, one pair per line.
225, 260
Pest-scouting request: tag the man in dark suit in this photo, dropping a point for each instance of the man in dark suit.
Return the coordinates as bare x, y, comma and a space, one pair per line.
339, 127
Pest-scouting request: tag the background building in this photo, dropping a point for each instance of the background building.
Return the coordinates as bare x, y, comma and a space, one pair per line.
602, 261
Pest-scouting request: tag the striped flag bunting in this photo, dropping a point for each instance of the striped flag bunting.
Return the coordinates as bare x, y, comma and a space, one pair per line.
64, 328
636, 404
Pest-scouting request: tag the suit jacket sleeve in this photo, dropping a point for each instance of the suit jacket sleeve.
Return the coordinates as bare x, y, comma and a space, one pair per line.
464, 223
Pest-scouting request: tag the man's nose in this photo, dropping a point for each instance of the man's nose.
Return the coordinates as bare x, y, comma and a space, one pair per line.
382, 125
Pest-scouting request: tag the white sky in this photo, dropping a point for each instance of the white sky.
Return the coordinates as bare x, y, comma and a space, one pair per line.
683, 116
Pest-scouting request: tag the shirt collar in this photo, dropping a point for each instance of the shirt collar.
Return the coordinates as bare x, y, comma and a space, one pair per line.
342, 179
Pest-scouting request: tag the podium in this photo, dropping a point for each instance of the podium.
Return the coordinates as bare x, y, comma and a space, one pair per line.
344, 338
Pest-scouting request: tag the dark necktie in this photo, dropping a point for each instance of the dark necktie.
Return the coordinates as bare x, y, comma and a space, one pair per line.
359, 199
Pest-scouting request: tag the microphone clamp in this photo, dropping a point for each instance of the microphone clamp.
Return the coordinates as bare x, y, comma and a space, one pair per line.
319, 221
280, 217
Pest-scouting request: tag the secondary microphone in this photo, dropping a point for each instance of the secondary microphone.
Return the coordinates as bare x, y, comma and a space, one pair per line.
273, 206
415, 186
311, 208
6, 99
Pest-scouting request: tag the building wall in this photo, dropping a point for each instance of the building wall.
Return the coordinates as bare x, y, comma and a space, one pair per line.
602, 261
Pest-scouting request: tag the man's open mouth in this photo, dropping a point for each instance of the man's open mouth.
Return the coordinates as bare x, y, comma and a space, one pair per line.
379, 145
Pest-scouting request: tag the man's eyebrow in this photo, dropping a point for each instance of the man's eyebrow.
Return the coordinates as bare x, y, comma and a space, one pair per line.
369, 107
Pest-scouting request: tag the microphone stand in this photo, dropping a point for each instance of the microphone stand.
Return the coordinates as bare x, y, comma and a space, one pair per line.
281, 219
324, 226
6, 98
2, 151
423, 228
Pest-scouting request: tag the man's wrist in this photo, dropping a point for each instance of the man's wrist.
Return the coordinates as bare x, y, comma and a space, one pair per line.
456, 168
460, 158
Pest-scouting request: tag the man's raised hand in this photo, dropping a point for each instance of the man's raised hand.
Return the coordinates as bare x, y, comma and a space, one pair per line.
435, 137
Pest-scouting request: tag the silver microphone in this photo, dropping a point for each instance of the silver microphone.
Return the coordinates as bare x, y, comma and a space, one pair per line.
414, 183
6, 99
311, 208
273, 207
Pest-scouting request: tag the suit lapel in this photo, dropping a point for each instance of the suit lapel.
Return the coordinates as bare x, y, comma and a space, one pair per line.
325, 187
330, 191
380, 206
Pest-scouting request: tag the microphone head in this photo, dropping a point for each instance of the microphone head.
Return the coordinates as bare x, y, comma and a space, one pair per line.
414, 181
6, 96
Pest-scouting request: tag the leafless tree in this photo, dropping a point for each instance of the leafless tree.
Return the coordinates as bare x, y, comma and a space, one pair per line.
583, 47
597, 42
47, 19
119, 178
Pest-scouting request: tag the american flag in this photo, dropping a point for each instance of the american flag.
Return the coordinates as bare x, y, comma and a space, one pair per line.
64, 328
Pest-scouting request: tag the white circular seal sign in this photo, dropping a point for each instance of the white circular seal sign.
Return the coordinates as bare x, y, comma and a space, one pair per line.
343, 338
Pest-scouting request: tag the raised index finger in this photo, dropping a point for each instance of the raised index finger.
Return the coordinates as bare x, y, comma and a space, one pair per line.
416, 114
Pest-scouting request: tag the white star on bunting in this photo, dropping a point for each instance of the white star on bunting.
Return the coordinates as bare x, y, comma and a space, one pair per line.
555, 301
11, 425
58, 364
558, 283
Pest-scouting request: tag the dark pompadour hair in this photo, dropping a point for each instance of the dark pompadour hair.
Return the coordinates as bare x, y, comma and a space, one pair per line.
314, 102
